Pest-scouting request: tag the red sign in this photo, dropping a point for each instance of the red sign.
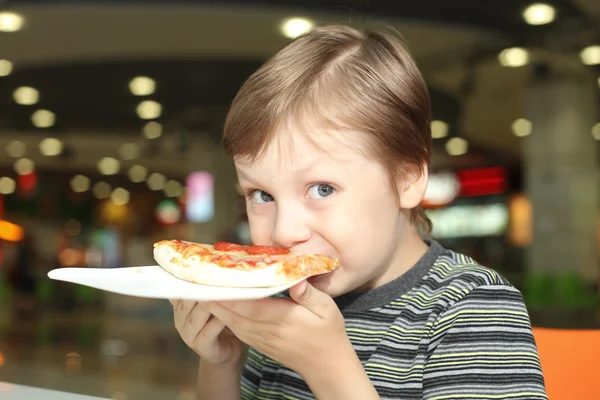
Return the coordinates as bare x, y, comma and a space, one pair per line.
444, 187
482, 181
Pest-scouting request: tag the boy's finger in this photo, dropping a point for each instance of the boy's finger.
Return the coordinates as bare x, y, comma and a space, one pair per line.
228, 317
305, 294
263, 310
208, 335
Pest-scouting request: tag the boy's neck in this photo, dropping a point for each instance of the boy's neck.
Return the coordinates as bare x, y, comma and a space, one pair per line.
410, 249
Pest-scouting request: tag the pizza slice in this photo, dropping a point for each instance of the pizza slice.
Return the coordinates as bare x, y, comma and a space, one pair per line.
234, 265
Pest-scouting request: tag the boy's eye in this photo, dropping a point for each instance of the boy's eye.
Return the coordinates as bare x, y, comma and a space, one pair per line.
260, 196
320, 191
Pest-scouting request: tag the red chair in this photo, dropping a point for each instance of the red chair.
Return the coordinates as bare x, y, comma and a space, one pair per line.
571, 362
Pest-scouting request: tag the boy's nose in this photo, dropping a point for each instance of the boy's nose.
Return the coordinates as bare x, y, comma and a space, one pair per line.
290, 229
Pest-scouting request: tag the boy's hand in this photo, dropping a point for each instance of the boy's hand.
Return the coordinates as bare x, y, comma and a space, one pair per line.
306, 334
205, 334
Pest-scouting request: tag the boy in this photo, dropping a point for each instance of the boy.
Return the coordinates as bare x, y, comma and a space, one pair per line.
331, 142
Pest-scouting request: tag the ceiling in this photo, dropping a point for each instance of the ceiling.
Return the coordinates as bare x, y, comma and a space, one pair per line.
81, 54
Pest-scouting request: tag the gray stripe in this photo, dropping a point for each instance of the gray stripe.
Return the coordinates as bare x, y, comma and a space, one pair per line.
389, 292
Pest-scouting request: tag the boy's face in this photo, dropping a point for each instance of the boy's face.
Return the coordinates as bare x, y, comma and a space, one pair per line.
329, 199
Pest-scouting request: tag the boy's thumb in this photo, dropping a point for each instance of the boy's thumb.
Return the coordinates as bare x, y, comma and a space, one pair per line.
307, 295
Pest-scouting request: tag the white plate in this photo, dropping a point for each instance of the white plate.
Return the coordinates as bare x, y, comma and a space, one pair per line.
156, 283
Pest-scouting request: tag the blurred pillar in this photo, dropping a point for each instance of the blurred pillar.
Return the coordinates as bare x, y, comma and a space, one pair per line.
561, 161
205, 155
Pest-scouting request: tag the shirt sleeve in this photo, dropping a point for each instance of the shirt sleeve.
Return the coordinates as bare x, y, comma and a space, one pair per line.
251, 375
482, 347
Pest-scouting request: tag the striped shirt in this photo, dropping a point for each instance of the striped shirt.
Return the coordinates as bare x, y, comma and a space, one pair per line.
447, 329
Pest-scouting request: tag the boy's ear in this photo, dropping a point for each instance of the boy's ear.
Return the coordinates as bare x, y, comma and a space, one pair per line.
412, 188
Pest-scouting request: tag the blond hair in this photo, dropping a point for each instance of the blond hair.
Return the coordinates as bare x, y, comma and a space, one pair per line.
364, 81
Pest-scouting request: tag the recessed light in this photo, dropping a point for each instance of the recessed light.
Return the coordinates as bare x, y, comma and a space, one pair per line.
514, 57
6, 67
101, 190
10, 21
24, 166
539, 14
590, 55
51, 147
522, 127
137, 173
26, 95
439, 129
142, 86
149, 109
43, 118
173, 189
152, 130
7, 185
596, 131
457, 146
156, 181
109, 166
120, 196
291, 28
80, 183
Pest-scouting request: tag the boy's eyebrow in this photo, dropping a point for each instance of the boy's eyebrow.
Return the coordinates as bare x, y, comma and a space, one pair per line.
299, 171
242, 175
245, 177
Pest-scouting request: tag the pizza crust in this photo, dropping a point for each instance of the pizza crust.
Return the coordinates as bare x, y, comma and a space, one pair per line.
196, 271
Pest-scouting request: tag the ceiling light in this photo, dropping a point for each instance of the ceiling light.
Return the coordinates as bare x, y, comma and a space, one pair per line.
539, 14
439, 129
291, 28
142, 86
51, 147
149, 109
43, 118
173, 189
101, 190
10, 21
596, 131
156, 181
137, 173
120, 196
108, 166
26, 95
24, 166
590, 55
6, 67
514, 57
7, 185
16, 148
522, 127
457, 146
152, 130
129, 151
80, 183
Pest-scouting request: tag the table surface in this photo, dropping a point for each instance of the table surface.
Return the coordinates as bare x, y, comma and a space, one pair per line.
12, 391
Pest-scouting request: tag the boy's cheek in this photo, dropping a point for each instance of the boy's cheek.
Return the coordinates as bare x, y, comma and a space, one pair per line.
261, 231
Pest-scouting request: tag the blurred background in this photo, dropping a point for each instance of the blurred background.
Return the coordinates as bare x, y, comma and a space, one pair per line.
110, 121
